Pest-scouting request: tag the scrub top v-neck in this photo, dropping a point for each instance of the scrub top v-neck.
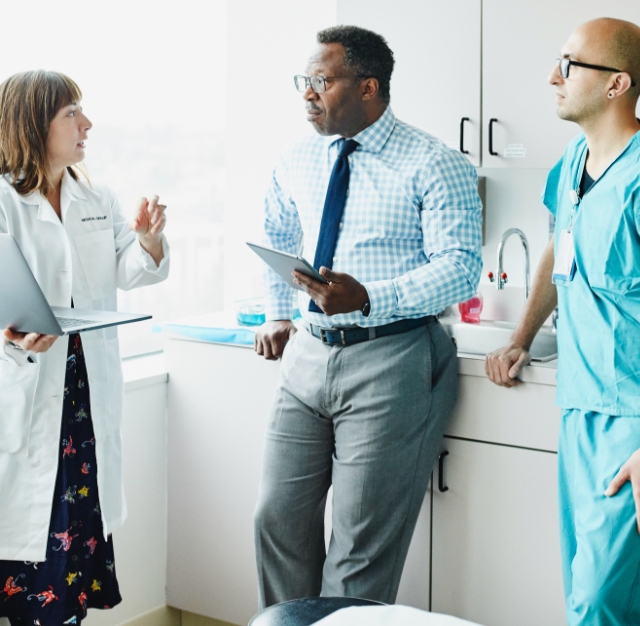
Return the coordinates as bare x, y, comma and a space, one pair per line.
599, 310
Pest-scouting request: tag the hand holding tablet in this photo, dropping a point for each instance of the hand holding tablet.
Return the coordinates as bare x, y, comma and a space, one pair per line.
285, 264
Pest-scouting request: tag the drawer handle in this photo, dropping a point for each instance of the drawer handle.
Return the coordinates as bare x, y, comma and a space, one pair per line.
491, 151
462, 121
441, 486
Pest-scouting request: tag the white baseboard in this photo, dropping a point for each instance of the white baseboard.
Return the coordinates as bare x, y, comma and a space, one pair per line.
162, 616
170, 616
193, 619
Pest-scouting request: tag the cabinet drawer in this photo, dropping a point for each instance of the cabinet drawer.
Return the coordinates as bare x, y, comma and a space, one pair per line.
496, 548
522, 416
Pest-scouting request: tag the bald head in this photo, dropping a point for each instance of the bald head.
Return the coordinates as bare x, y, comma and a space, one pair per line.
615, 43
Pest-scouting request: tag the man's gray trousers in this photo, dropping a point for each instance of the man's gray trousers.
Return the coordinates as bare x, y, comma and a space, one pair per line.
367, 419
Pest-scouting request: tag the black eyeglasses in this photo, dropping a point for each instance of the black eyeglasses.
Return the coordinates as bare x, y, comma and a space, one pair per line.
317, 83
565, 65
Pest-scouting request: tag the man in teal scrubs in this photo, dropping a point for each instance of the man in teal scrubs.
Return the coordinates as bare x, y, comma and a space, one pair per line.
591, 271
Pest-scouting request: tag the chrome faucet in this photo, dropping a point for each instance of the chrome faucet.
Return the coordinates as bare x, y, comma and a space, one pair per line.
501, 278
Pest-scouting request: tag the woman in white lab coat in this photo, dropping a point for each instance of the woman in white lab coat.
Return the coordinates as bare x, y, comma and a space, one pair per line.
61, 398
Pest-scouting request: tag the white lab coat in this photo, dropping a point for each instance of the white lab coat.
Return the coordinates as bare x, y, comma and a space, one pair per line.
84, 257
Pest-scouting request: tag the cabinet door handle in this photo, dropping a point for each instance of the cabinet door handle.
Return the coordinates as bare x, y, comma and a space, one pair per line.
462, 121
441, 486
491, 151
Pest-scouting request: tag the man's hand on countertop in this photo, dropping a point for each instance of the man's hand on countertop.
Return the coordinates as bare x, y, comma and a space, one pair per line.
272, 337
504, 365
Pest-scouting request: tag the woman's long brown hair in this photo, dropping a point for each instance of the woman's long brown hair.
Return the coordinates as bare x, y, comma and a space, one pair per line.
28, 103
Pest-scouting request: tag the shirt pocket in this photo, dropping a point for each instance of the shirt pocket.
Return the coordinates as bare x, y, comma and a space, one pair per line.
612, 257
17, 394
97, 252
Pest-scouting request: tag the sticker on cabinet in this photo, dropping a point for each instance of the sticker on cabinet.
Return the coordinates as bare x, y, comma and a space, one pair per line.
514, 151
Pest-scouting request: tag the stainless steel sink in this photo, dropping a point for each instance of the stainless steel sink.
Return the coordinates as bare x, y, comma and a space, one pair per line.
486, 337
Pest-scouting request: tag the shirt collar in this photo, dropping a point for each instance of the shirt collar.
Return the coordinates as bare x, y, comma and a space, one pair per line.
634, 141
374, 137
69, 186
35, 197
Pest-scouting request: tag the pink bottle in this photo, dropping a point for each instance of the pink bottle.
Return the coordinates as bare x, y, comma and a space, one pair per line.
471, 309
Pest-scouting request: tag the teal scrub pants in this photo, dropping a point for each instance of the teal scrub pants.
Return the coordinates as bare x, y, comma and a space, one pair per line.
599, 537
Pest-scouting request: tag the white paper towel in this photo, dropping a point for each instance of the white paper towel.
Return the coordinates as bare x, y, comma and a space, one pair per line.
394, 615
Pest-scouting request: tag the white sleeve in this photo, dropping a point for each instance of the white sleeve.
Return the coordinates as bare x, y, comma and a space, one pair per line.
9, 351
135, 266
13, 353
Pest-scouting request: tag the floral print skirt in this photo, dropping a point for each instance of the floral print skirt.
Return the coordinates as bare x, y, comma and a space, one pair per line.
79, 570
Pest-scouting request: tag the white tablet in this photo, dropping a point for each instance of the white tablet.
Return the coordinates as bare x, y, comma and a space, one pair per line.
284, 264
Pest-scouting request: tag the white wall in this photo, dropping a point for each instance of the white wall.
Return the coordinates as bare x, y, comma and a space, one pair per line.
513, 200
267, 43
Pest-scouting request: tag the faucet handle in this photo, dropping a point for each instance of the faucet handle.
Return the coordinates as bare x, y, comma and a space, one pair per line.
503, 277
491, 277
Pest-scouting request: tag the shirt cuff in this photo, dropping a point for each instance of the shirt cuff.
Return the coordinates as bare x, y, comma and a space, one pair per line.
148, 262
382, 298
279, 306
15, 354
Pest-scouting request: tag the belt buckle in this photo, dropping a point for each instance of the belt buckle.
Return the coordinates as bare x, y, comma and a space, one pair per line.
342, 339
323, 335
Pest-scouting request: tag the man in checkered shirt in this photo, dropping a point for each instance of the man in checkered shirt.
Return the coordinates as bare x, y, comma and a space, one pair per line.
369, 379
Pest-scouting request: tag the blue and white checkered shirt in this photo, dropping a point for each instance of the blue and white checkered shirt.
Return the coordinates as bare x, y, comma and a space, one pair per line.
411, 228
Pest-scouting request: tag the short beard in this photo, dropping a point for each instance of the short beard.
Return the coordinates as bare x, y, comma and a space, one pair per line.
568, 116
584, 109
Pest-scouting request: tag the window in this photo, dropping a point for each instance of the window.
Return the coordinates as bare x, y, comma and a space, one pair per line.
152, 73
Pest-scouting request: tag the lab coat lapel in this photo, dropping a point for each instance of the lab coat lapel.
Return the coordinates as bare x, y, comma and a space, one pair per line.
69, 192
45, 210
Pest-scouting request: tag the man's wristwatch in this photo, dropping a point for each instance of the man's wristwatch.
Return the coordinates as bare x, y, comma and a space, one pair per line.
366, 309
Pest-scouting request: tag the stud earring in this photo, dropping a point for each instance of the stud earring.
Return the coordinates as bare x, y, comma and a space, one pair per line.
611, 94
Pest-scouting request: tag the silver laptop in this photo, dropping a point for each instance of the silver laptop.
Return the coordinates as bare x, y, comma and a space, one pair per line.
24, 309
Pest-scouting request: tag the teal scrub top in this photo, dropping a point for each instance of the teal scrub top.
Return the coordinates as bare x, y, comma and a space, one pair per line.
599, 310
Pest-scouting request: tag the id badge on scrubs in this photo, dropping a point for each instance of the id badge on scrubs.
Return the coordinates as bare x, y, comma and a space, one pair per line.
564, 268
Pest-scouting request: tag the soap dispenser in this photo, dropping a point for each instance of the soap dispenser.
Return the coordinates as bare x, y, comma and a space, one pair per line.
471, 309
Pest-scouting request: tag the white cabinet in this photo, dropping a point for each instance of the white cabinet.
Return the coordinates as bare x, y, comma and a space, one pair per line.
496, 553
436, 45
416, 575
495, 536
448, 52
520, 43
218, 401
525, 416
494, 532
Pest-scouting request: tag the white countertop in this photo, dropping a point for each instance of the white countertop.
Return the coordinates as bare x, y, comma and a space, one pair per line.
468, 364
535, 372
144, 371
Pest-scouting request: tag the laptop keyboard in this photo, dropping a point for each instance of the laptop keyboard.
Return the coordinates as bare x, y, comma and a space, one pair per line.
65, 322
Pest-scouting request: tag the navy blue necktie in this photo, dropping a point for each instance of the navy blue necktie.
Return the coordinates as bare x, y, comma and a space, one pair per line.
333, 209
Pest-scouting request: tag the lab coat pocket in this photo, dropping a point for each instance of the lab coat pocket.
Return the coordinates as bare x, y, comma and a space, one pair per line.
17, 394
97, 252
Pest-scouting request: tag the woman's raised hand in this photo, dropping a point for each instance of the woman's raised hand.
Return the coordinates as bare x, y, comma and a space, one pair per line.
149, 222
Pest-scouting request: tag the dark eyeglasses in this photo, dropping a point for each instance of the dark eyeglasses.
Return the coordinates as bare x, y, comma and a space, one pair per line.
565, 65
317, 83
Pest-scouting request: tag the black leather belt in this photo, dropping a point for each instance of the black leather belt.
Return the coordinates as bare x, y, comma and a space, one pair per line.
355, 334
